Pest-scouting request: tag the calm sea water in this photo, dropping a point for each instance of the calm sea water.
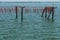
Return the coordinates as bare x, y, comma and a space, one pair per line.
33, 27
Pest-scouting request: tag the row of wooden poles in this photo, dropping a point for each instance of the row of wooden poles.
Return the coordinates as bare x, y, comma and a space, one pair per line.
26, 9
21, 13
44, 10
22, 9
16, 10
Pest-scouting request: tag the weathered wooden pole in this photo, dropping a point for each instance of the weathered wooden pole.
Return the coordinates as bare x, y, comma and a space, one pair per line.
46, 13
16, 10
22, 14
53, 14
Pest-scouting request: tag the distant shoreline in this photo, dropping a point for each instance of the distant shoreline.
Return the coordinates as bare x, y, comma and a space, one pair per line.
31, 2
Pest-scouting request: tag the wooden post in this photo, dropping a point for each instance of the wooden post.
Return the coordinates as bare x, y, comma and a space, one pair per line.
53, 14
16, 12
46, 13
21, 14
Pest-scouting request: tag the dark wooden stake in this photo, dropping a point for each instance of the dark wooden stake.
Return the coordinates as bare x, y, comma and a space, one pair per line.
16, 12
46, 13
22, 14
53, 15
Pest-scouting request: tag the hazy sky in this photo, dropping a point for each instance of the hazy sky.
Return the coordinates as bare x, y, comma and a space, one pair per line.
27, 0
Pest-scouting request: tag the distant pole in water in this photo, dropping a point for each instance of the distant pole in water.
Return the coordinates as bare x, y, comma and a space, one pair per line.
5, 9
27, 10
22, 14
35, 10
1, 10
10, 10
16, 12
53, 14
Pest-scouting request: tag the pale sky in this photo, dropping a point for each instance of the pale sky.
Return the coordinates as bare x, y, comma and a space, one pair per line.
28, 0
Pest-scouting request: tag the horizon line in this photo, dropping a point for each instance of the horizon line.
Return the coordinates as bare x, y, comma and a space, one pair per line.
31, 2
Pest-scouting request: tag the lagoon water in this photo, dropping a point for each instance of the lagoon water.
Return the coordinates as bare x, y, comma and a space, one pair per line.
33, 27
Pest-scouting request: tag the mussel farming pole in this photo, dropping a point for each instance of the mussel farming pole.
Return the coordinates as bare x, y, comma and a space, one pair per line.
16, 12
22, 14
53, 14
